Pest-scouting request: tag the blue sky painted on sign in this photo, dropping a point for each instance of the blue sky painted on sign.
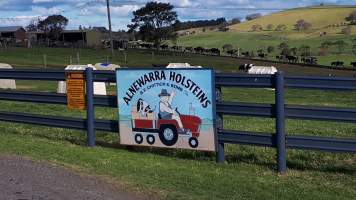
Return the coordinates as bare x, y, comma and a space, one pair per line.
93, 12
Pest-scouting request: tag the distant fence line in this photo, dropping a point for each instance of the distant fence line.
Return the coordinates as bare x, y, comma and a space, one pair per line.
279, 110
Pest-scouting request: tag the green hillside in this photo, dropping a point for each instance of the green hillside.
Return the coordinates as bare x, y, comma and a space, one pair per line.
240, 35
319, 17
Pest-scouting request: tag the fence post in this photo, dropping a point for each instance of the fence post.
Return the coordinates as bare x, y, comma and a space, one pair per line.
280, 123
220, 154
90, 107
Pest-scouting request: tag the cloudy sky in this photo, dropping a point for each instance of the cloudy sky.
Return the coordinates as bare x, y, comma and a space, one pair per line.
93, 12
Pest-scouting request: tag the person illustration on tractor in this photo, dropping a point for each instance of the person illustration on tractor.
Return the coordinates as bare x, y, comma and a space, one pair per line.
167, 112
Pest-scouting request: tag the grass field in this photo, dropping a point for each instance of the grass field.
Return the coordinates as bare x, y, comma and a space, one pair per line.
240, 35
250, 172
60, 57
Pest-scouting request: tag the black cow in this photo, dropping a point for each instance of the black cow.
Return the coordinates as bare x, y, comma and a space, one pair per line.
353, 64
245, 67
262, 55
231, 52
310, 60
199, 50
246, 54
215, 51
292, 59
337, 64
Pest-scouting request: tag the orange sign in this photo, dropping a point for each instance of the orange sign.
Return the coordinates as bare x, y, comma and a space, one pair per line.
75, 90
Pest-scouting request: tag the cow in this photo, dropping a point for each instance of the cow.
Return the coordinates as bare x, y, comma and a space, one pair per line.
310, 60
143, 108
231, 52
353, 64
199, 50
262, 55
215, 51
292, 59
246, 54
337, 64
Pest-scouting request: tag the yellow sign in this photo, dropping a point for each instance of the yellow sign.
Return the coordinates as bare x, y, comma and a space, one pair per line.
76, 90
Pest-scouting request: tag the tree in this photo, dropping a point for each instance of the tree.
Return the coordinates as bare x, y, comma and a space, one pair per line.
352, 17
227, 47
340, 44
324, 48
284, 47
53, 26
270, 27
302, 25
33, 25
304, 50
235, 21
270, 49
347, 30
253, 16
256, 27
294, 51
154, 21
281, 27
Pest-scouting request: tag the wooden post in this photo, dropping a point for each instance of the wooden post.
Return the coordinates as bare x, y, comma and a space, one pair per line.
45, 61
78, 58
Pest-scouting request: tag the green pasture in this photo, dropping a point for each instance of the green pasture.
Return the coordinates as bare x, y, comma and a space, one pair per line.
251, 41
249, 172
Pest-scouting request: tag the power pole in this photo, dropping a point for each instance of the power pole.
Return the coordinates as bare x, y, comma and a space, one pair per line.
110, 30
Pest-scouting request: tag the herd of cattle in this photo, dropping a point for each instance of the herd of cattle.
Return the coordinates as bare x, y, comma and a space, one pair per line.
310, 60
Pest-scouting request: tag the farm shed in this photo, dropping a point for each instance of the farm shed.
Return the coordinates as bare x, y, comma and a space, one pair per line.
13, 32
87, 38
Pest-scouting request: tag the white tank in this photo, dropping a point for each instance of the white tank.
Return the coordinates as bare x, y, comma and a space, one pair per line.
181, 65
99, 87
262, 70
7, 83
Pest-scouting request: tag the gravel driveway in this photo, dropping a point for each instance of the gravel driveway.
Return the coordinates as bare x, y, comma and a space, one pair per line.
24, 179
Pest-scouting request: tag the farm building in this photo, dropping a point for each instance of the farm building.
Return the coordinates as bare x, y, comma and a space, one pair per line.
13, 32
87, 38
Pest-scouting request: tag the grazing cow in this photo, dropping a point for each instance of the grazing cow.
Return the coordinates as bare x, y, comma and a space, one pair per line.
215, 51
310, 60
337, 64
353, 64
188, 49
262, 55
199, 50
246, 54
245, 67
292, 59
164, 46
280, 58
232, 52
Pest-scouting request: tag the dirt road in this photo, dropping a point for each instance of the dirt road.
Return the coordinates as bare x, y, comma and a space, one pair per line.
24, 179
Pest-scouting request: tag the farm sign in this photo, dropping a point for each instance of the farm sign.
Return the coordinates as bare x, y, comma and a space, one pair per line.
170, 108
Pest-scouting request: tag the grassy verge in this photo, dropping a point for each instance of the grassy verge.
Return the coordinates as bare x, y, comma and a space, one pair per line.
178, 174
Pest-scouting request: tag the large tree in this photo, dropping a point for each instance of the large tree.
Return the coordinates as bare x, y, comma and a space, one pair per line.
154, 22
302, 25
352, 17
53, 26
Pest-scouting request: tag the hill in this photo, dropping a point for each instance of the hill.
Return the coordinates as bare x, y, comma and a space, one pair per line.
319, 17
330, 20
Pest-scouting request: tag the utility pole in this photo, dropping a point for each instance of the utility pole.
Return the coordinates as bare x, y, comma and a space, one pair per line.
110, 30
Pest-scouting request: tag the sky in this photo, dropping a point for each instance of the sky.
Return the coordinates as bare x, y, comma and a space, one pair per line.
93, 12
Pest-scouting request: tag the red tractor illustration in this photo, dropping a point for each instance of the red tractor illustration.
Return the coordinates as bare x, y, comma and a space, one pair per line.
149, 126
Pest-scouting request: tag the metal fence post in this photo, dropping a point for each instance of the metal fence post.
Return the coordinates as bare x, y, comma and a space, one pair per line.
90, 107
220, 154
280, 123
